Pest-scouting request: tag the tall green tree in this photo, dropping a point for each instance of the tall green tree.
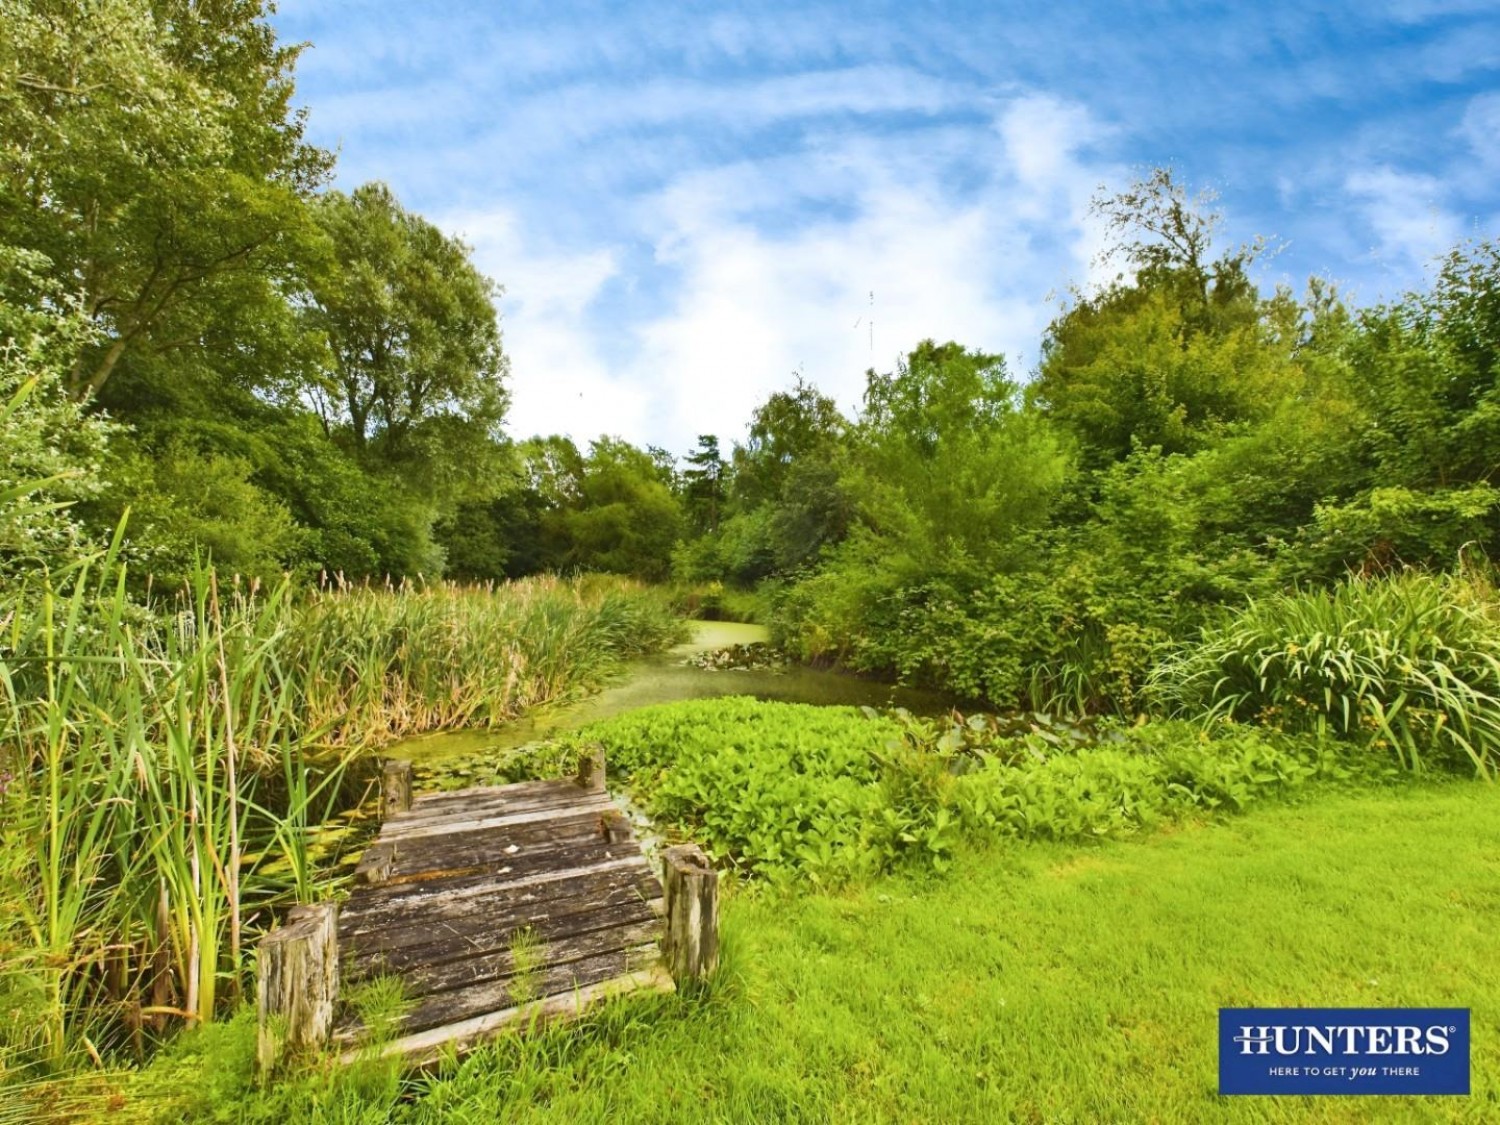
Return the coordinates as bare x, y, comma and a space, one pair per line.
705, 484
149, 153
948, 463
1176, 351
417, 372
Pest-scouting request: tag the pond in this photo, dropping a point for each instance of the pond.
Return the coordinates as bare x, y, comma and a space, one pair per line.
671, 677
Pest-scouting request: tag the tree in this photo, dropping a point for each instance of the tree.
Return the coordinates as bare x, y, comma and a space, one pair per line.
413, 334
947, 463
704, 484
148, 151
50, 451
787, 427
1176, 353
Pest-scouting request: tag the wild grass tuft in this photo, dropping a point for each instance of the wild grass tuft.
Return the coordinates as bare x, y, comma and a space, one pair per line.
1407, 664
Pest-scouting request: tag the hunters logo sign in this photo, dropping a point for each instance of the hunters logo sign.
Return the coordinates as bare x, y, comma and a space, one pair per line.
1343, 1050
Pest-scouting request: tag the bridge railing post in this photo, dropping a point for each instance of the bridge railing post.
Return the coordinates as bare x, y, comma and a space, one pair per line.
691, 892
395, 787
297, 984
591, 768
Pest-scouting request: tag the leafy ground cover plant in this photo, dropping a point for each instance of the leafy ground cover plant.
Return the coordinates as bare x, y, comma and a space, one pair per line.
1407, 664
788, 792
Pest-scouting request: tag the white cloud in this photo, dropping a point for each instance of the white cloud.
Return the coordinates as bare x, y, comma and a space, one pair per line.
1407, 214
1481, 129
559, 381
763, 268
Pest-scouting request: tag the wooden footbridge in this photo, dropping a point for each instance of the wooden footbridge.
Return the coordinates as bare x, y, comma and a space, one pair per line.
495, 907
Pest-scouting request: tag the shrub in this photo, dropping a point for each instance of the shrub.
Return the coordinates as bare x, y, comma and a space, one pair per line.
1408, 663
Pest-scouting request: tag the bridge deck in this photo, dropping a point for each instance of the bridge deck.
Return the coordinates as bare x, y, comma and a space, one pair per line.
493, 905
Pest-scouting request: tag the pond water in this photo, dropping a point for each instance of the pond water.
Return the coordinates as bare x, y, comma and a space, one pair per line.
669, 677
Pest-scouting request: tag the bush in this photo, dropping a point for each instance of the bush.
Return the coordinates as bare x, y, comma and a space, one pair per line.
1409, 663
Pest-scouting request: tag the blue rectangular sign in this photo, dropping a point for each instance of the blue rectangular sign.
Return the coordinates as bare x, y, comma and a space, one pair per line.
1343, 1050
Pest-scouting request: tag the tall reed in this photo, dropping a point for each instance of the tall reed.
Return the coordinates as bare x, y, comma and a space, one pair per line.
166, 769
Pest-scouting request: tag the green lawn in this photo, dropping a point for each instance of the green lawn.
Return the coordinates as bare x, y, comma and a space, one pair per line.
1043, 983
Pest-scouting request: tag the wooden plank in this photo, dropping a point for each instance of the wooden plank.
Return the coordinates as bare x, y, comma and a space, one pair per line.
498, 912
415, 897
497, 843
455, 967
459, 1004
510, 789
484, 804
519, 871
399, 831
426, 1048
415, 960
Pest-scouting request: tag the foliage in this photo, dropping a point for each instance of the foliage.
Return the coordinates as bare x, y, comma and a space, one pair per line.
787, 792
151, 156
1407, 665
50, 452
412, 332
164, 774
948, 463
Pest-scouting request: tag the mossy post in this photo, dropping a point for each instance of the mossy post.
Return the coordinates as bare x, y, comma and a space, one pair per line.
395, 787
691, 891
297, 984
591, 768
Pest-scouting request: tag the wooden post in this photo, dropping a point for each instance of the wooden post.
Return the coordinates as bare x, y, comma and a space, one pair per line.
691, 943
376, 864
591, 768
297, 984
395, 788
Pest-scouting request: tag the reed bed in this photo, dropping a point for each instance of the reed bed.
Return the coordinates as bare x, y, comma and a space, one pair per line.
162, 773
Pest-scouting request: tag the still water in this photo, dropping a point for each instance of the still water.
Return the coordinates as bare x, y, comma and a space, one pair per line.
668, 677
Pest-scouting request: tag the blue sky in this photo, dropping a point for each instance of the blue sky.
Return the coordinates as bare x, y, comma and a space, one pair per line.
687, 204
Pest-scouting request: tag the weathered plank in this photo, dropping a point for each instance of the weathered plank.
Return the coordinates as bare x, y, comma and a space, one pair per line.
459, 1004
473, 893
563, 794
626, 928
491, 920
399, 830
495, 844
423, 1049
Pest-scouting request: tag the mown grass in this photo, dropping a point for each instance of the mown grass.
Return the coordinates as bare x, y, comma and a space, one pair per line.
1031, 982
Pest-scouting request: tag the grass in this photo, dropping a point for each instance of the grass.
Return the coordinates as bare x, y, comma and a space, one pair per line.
1033, 982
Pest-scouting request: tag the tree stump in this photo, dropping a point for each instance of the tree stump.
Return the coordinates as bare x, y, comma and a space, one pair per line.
297, 984
591, 768
691, 890
395, 788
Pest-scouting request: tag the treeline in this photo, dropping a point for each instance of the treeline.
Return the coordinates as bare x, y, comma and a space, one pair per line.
1187, 441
